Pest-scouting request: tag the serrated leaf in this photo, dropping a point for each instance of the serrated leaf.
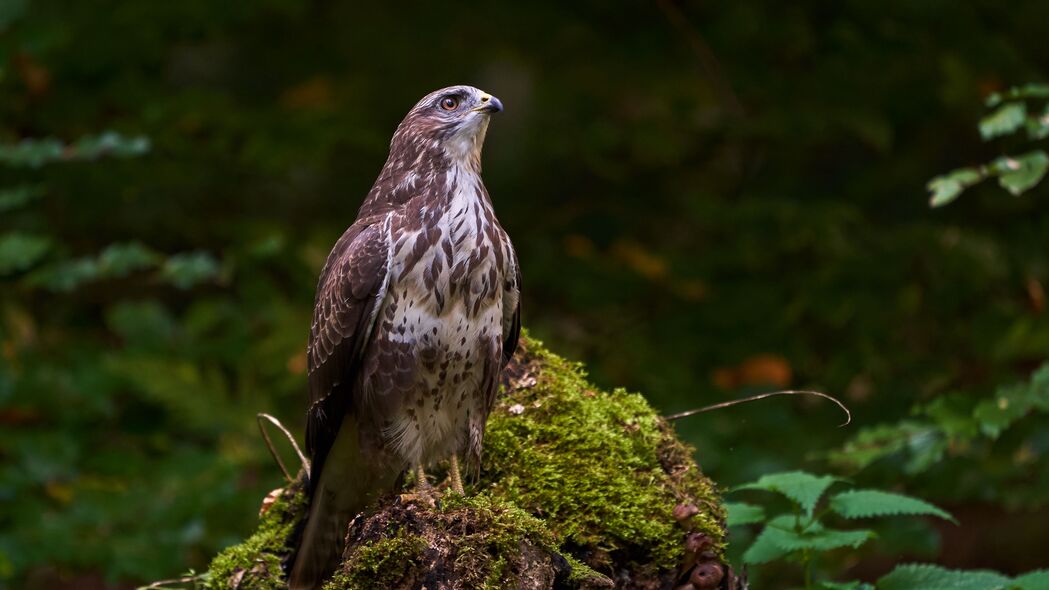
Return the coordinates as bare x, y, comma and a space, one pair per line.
763, 550
19, 196
1020, 174
781, 532
934, 577
873, 503
801, 487
1004, 120
740, 513
854, 585
947, 187
19, 251
1036, 580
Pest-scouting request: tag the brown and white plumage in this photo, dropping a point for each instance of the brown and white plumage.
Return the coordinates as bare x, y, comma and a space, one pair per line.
417, 311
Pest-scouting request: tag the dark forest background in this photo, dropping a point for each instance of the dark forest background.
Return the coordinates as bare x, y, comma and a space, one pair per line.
708, 200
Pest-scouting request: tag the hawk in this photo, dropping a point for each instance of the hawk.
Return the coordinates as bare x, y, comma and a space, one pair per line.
417, 312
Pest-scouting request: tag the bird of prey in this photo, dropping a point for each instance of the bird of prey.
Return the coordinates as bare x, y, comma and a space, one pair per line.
417, 312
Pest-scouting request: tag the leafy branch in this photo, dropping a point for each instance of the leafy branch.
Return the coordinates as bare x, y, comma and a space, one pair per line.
28, 251
944, 424
1012, 114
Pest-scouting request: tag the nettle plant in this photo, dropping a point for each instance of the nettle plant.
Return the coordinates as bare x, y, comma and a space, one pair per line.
803, 533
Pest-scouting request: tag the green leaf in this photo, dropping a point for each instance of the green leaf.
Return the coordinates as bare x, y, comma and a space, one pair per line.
110, 143
1004, 120
66, 275
1018, 92
783, 532
187, 270
119, 260
763, 550
1038, 125
13, 198
1021, 173
803, 488
1036, 580
946, 188
33, 153
143, 325
854, 585
740, 513
1012, 402
19, 251
871, 503
933, 577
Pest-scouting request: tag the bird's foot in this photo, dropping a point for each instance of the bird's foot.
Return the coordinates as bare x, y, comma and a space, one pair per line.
428, 498
424, 493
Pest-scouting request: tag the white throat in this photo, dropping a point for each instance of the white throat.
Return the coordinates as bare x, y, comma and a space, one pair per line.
464, 147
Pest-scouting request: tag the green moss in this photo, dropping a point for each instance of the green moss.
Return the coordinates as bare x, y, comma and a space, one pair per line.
593, 465
500, 530
257, 561
581, 572
567, 470
379, 564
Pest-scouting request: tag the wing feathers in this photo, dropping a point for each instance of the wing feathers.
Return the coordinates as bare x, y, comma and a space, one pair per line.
351, 287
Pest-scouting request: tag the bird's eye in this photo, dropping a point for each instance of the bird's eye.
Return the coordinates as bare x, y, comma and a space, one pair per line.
449, 103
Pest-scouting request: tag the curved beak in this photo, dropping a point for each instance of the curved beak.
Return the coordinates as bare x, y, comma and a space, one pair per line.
490, 104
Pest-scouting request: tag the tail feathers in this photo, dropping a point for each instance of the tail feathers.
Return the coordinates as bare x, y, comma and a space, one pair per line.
348, 483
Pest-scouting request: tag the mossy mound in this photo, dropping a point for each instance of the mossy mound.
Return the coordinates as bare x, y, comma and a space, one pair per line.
601, 469
256, 563
461, 542
578, 489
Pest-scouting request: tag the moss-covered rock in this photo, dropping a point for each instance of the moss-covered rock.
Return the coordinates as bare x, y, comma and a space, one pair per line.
578, 489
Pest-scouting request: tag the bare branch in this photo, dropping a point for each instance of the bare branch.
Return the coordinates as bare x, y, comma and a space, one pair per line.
760, 396
273, 450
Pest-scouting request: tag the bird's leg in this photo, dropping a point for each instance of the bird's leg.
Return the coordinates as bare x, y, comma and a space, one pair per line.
457, 478
422, 486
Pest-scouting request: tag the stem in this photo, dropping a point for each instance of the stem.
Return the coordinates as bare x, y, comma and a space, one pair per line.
807, 560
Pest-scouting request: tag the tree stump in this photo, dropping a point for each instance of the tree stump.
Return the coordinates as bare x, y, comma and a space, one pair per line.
578, 489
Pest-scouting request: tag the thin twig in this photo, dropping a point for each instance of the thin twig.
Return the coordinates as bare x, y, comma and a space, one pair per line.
760, 396
273, 450
168, 583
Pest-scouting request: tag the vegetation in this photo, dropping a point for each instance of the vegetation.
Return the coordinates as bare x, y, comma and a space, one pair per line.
709, 201
1016, 174
578, 487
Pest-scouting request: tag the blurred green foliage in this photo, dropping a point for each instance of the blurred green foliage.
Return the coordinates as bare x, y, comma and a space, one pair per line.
1015, 174
708, 200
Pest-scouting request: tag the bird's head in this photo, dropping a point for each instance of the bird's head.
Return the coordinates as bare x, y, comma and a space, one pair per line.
453, 119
